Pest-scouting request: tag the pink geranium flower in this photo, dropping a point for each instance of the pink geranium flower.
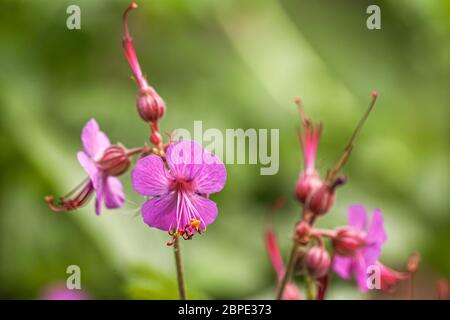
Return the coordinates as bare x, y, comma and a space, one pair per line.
372, 236
179, 187
107, 188
102, 162
59, 291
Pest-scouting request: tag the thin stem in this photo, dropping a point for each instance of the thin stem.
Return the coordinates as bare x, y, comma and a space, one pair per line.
180, 272
310, 290
288, 273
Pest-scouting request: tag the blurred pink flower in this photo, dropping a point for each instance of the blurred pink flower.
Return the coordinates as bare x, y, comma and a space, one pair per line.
179, 202
108, 188
390, 277
102, 162
60, 292
367, 253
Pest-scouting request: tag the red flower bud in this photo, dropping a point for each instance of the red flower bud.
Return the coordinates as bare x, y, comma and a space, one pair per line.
347, 241
306, 186
115, 161
302, 231
322, 200
150, 105
317, 262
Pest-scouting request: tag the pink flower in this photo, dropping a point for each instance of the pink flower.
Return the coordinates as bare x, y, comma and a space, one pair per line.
389, 277
179, 192
366, 254
59, 291
108, 188
102, 162
291, 291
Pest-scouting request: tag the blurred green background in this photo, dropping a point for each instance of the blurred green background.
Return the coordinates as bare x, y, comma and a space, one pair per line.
232, 64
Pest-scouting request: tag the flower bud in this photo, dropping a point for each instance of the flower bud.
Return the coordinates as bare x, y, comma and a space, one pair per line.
322, 200
150, 105
347, 241
317, 262
115, 161
302, 232
307, 185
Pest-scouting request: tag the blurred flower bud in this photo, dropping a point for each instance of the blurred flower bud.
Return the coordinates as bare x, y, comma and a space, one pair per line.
347, 241
302, 231
317, 262
115, 161
307, 185
322, 200
413, 262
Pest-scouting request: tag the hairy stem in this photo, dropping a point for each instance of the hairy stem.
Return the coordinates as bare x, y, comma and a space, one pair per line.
180, 272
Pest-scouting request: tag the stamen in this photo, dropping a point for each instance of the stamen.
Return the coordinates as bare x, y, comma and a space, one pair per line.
83, 193
187, 233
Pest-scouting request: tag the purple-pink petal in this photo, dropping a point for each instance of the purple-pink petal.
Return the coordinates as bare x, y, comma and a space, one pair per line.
203, 209
94, 141
184, 159
342, 266
113, 193
150, 176
161, 212
211, 178
360, 272
88, 165
376, 232
357, 217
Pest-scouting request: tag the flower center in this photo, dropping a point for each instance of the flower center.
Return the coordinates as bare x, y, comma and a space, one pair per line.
182, 185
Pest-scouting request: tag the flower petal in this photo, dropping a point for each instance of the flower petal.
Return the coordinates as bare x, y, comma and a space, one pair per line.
360, 272
88, 165
184, 159
376, 232
150, 177
357, 217
342, 266
94, 141
211, 178
113, 193
161, 212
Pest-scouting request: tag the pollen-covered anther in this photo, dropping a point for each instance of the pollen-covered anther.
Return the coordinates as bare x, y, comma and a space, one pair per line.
187, 233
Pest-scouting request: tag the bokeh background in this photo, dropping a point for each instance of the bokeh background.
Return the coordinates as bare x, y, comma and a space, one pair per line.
231, 64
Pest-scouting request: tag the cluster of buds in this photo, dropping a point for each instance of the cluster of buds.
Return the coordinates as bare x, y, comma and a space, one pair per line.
356, 247
318, 195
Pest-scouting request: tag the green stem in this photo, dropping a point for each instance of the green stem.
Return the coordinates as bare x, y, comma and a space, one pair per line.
310, 291
180, 272
288, 273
